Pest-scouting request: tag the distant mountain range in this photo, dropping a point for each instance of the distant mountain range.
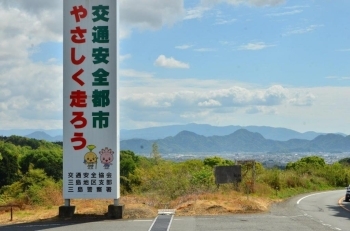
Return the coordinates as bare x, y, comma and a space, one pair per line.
48, 135
40, 135
241, 140
207, 138
152, 133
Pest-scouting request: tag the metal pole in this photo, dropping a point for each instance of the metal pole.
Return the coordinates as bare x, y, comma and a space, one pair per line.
248, 191
253, 188
116, 202
66, 202
11, 212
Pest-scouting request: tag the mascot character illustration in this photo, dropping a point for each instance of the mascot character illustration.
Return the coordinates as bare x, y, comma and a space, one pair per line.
90, 158
106, 157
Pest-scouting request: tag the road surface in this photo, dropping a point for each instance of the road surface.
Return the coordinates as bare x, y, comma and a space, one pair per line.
313, 212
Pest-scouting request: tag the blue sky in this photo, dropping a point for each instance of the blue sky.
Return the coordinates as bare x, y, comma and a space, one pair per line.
272, 63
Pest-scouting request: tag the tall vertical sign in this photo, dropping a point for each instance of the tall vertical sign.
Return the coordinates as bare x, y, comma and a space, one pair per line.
90, 102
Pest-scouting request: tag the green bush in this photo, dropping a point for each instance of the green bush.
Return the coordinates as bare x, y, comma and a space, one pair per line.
50, 160
217, 161
34, 188
202, 179
9, 168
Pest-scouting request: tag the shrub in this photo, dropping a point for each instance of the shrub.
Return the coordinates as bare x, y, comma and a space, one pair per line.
34, 188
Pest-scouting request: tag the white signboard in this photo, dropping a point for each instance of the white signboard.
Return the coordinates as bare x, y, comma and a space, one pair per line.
90, 113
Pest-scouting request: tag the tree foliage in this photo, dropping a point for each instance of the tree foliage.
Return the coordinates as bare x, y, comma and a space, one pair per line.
128, 164
155, 154
345, 161
9, 168
21, 141
34, 188
217, 161
50, 160
307, 163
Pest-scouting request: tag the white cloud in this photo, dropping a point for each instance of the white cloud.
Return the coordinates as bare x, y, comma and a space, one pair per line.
285, 13
254, 46
23, 31
302, 30
124, 31
124, 57
133, 73
32, 99
259, 3
184, 47
40, 19
44, 18
261, 110
227, 43
207, 5
163, 61
204, 49
338, 77
31, 93
222, 21
227, 97
171, 101
331, 77
302, 100
209, 103
150, 14
194, 13
347, 49
296, 7
274, 95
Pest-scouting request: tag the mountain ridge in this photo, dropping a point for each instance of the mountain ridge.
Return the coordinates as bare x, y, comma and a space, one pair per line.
274, 133
241, 140
163, 132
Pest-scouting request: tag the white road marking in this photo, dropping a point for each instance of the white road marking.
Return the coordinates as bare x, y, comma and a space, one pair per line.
307, 215
309, 196
30, 226
172, 217
152, 224
161, 217
140, 220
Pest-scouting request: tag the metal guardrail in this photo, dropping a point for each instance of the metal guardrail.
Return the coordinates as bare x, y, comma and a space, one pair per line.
166, 211
11, 208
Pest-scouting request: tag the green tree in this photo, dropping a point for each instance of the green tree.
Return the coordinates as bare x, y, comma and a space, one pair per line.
345, 161
128, 164
22, 141
51, 161
202, 179
9, 168
335, 174
155, 154
217, 161
307, 163
35, 187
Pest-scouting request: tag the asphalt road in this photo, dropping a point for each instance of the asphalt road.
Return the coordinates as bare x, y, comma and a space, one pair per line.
313, 212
